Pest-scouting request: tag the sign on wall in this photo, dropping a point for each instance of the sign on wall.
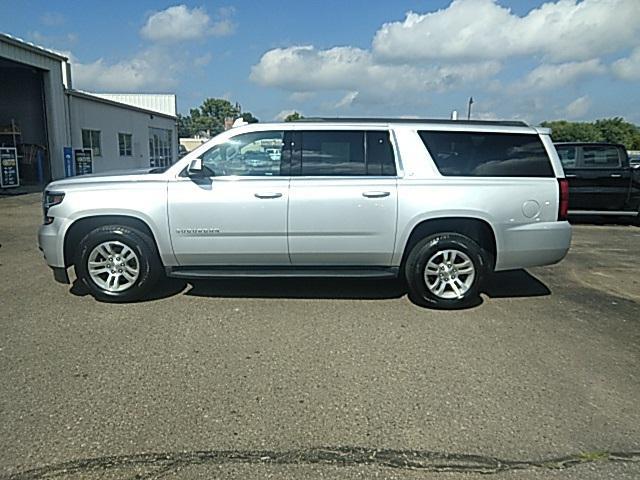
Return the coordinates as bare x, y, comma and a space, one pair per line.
68, 162
9, 176
83, 161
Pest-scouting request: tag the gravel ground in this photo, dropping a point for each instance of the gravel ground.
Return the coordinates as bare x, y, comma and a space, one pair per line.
322, 378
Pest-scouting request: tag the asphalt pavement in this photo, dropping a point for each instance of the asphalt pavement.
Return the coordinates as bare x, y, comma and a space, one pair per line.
322, 378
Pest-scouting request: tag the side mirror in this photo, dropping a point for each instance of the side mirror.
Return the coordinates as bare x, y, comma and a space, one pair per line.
195, 168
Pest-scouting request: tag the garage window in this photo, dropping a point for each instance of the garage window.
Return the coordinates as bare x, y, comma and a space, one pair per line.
91, 139
160, 147
125, 144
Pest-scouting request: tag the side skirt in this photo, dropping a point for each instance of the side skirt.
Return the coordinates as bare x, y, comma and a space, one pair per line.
281, 272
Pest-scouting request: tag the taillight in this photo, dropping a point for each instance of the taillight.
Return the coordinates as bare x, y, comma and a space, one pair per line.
563, 205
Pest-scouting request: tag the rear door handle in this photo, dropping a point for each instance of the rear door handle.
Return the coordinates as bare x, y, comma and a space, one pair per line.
616, 175
570, 175
268, 195
376, 194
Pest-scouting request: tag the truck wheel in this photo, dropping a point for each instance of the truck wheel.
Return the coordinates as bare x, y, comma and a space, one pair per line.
445, 271
117, 263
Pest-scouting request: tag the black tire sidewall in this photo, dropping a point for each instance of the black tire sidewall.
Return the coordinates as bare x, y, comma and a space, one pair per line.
133, 239
420, 255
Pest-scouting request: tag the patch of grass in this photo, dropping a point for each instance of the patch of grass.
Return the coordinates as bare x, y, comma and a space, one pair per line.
593, 456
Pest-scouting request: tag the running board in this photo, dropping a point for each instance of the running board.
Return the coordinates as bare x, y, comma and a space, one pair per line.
281, 272
603, 212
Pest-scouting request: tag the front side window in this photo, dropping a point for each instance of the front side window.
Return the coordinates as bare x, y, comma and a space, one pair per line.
481, 154
91, 139
248, 154
567, 156
125, 144
600, 156
346, 153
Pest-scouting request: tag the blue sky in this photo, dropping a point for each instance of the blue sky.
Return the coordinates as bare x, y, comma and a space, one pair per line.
528, 59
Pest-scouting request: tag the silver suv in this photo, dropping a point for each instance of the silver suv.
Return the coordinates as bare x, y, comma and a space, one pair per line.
438, 203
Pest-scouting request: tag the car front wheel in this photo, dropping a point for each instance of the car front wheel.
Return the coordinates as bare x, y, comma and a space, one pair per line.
117, 263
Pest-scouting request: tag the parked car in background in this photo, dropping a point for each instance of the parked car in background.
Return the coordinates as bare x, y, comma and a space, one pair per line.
602, 180
634, 160
440, 203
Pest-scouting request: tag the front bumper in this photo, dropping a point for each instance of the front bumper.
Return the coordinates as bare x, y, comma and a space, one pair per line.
51, 243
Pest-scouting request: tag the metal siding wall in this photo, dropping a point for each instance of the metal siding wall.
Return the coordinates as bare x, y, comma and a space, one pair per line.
54, 99
111, 120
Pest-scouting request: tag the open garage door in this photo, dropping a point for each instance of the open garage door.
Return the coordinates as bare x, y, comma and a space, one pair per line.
23, 124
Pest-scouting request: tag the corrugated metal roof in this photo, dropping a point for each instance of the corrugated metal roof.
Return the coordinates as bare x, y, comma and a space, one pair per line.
19, 42
100, 98
157, 102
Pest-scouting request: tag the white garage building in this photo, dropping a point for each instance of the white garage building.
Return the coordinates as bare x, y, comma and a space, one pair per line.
43, 120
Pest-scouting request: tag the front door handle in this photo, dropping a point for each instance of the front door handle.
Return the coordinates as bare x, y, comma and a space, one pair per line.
376, 194
616, 175
268, 195
569, 175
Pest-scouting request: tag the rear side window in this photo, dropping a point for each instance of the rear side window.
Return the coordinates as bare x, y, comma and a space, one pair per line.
567, 155
600, 156
379, 153
345, 153
479, 154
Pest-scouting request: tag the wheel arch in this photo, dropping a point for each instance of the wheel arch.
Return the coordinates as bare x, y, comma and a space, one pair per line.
478, 229
80, 227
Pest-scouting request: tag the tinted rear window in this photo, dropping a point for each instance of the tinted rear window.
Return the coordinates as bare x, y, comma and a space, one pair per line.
600, 157
567, 155
479, 154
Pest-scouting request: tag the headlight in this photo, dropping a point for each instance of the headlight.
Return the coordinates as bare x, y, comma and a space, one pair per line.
49, 200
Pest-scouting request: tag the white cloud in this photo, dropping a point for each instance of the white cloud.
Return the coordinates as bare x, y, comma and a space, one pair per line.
151, 69
357, 73
284, 114
481, 29
298, 97
578, 108
48, 40
551, 76
203, 60
223, 28
628, 68
180, 23
52, 19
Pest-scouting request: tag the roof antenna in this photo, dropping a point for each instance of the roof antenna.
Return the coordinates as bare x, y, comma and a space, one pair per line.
454, 115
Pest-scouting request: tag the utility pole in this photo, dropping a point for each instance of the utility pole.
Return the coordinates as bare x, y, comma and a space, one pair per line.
469, 111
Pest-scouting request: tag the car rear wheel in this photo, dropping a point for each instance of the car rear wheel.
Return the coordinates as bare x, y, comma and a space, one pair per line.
445, 271
117, 263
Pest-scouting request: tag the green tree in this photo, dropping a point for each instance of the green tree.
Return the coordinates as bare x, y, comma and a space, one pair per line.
563, 131
292, 117
612, 130
210, 116
616, 130
249, 118
184, 126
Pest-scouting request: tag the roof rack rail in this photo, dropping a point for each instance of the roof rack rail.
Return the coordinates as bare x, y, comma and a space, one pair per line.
505, 123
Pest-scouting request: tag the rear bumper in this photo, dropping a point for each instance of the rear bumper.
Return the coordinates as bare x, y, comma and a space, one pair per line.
533, 245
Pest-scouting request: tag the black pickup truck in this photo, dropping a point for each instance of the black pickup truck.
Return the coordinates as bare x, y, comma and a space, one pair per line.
601, 180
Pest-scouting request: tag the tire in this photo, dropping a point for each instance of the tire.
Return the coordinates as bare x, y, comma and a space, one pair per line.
447, 256
120, 252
